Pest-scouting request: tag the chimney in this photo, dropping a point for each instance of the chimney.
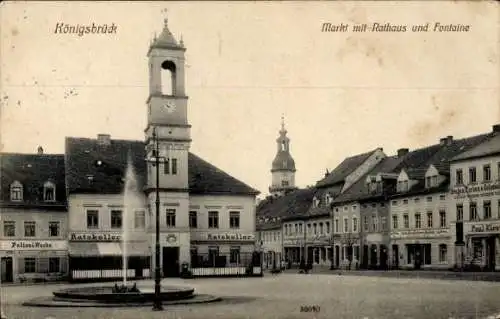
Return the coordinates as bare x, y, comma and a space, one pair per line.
449, 140
326, 173
103, 139
496, 128
39, 150
402, 152
442, 141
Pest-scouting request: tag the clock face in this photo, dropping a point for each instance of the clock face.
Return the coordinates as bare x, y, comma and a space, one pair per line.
169, 106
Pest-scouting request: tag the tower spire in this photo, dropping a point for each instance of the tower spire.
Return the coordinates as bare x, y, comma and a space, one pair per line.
283, 165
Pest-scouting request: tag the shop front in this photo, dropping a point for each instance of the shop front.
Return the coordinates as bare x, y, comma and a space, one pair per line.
375, 252
422, 248
319, 250
33, 260
483, 244
100, 256
225, 254
293, 250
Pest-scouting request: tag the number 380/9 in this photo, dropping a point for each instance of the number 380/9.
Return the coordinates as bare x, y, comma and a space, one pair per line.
310, 308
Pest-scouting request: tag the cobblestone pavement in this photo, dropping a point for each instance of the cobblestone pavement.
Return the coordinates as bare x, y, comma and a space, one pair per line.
283, 295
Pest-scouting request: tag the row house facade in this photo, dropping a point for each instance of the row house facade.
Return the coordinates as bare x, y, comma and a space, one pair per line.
475, 202
33, 216
432, 208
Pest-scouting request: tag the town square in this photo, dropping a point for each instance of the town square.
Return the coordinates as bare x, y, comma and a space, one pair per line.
186, 162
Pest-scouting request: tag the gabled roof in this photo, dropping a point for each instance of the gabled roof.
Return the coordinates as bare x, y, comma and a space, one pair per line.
345, 168
32, 171
82, 155
440, 158
358, 190
490, 146
459, 146
296, 202
416, 173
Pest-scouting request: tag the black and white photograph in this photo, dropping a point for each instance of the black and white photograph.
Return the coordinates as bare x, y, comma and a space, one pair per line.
249, 159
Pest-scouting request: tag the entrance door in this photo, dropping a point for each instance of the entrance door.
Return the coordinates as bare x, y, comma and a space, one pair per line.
170, 261
7, 275
395, 256
373, 256
417, 248
383, 257
337, 256
364, 259
490, 253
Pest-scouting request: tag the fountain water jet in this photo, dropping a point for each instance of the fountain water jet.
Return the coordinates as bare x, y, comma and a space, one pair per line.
131, 202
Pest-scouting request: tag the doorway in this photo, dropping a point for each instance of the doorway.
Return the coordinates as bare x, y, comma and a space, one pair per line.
337, 256
373, 257
7, 271
383, 257
395, 256
490, 253
170, 261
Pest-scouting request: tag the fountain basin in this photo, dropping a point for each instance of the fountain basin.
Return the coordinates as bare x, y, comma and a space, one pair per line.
103, 296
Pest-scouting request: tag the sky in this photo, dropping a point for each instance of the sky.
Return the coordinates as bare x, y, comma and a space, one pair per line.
341, 93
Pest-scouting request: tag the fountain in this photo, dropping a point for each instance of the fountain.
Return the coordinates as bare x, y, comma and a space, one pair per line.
121, 295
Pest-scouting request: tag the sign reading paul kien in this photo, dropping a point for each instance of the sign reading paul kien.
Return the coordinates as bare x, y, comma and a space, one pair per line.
95, 237
485, 228
230, 237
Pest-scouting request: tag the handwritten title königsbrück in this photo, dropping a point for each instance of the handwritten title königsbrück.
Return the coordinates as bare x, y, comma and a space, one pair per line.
82, 29
389, 27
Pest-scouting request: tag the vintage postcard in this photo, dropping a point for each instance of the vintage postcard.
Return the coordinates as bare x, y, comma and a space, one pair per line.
249, 159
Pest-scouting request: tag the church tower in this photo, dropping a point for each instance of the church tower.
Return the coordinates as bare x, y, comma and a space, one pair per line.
168, 130
283, 166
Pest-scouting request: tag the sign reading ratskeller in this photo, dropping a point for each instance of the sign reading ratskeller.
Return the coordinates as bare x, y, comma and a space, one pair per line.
230, 237
89, 237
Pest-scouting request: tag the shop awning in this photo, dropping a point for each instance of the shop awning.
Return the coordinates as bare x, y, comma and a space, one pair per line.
83, 249
138, 249
109, 249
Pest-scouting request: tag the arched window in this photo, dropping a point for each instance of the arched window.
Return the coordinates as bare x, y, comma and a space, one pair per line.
49, 192
16, 191
168, 77
283, 146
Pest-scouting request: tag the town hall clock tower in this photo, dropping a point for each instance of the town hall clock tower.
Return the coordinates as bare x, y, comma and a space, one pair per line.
168, 128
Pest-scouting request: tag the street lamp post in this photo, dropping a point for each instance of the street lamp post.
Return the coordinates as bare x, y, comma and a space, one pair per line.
157, 305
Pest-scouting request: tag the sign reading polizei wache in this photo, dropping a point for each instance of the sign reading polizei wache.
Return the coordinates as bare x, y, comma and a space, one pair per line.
420, 233
475, 191
485, 228
91, 237
228, 237
33, 245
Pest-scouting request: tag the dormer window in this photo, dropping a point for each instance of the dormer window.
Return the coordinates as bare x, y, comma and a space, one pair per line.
315, 202
328, 199
49, 192
403, 186
16, 191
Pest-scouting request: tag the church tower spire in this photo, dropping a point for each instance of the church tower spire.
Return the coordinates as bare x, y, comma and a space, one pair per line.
283, 166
